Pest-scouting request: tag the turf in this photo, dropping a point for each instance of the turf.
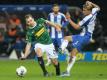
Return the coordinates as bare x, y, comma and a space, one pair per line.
80, 71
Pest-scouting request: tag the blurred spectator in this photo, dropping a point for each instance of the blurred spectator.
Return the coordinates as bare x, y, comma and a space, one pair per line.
18, 46
3, 45
16, 21
3, 28
14, 34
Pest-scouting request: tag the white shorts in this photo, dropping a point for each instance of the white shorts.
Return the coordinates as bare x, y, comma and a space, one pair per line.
49, 49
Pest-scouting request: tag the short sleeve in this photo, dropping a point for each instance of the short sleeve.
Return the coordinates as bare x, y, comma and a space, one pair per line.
41, 20
85, 20
28, 38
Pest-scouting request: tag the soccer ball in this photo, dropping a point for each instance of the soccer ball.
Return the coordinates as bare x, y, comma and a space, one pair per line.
21, 71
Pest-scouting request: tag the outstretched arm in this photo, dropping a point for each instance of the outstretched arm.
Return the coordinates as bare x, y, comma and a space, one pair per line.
57, 26
27, 50
73, 24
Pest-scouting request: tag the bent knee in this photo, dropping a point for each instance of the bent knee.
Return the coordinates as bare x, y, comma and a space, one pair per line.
38, 52
55, 61
69, 38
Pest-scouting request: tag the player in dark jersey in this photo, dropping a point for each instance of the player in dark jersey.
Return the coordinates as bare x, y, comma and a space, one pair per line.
38, 35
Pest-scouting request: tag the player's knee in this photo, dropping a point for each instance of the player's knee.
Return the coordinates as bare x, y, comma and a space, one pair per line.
55, 61
67, 38
38, 52
74, 52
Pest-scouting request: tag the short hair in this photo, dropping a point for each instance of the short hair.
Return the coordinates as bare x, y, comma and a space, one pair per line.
28, 15
54, 5
88, 7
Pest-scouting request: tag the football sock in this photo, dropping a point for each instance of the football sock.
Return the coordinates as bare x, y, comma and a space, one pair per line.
57, 69
71, 63
48, 59
64, 44
41, 63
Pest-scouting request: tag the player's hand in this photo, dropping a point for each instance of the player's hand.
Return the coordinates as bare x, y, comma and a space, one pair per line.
58, 27
22, 58
68, 15
88, 3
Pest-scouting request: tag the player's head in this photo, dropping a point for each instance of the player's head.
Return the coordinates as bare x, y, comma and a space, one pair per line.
29, 20
55, 8
87, 8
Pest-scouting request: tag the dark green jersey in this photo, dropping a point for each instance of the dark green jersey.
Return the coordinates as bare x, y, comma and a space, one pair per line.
39, 33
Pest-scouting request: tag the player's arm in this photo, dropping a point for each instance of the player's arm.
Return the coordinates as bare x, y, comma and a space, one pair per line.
28, 46
64, 19
57, 26
94, 5
72, 23
81, 23
27, 50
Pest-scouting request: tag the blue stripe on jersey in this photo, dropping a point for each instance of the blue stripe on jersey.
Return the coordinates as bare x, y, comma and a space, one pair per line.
85, 25
87, 22
55, 21
59, 19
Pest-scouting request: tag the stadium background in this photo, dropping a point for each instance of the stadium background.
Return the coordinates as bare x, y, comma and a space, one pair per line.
15, 10
91, 53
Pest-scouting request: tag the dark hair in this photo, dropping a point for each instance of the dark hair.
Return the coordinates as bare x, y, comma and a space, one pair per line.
28, 15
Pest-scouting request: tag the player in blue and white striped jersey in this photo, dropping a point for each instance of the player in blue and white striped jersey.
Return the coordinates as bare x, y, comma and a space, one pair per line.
58, 18
90, 11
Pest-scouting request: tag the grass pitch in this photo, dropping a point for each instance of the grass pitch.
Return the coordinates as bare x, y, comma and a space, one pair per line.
80, 71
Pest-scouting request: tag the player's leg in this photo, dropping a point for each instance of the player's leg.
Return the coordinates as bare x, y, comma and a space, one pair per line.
56, 65
65, 42
72, 59
66, 52
48, 59
77, 41
39, 52
53, 56
71, 62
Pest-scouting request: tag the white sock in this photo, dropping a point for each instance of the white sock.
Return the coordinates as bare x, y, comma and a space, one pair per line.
64, 44
70, 65
48, 59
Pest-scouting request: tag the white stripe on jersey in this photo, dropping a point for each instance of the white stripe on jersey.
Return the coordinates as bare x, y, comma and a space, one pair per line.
59, 22
88, 22
53, 32
52, 28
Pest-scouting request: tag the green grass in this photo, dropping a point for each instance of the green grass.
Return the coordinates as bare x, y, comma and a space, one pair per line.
80, 71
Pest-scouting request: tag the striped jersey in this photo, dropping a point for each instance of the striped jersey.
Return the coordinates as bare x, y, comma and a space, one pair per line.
38, 33
59, 19
88, 22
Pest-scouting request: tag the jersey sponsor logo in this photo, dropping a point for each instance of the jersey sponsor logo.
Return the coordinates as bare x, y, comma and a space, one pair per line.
40, 32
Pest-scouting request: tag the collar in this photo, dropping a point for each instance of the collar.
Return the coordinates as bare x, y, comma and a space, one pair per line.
33, 26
